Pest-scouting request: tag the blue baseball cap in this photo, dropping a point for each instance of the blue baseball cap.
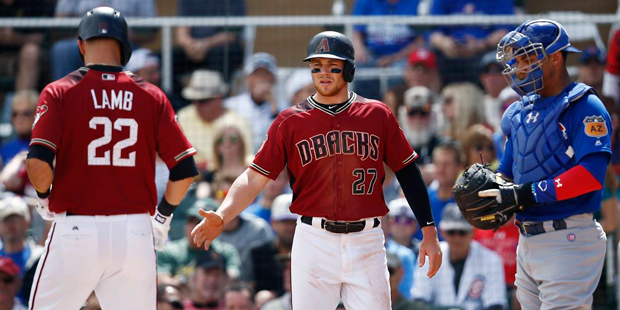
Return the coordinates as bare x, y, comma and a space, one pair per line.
592, 52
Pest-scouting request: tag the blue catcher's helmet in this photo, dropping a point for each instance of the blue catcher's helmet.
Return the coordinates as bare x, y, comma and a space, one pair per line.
532, 41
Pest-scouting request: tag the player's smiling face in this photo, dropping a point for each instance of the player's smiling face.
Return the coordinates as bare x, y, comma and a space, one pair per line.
327, 76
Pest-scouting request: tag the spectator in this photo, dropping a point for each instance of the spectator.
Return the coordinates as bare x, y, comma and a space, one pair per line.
221, 185
258, 104
179, 258
609, 215
231, 155
422, 70
283, 302
465, 100
10, 281
406, 256
65, 56
146, 65
506, 97
611, 79
461, 47
383, 45
267, 271
299, 86
24, 106
403, 224
418, 122
169, 297
246, 232
470, 276
207, 283
14, 222
263, 297
493, 82
239, 296
273, 189
448, 161
396, 274
478, 146
21, 48
504, 242
215, 48
202, 119
592, 68
394, 98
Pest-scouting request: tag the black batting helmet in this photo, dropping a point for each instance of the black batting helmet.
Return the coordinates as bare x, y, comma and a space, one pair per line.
106, 22
335, 45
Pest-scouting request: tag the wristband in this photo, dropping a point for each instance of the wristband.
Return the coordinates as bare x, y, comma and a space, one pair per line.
43, 195
165, 208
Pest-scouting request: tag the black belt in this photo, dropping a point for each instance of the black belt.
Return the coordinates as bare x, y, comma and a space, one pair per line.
340, 227
532, 229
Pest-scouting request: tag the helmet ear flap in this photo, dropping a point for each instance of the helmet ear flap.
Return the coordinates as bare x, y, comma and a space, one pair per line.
348, 71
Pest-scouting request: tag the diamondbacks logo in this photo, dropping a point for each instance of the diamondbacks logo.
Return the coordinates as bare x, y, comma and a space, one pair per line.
323, 47
595, 126
40, 111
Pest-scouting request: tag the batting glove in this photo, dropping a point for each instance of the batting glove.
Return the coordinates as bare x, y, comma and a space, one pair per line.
161, 227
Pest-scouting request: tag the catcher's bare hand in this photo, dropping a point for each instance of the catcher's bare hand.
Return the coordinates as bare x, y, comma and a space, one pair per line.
208, 229
430, 247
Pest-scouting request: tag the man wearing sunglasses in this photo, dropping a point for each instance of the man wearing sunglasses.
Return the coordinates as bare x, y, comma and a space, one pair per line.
417, 121
471, 277
24, 104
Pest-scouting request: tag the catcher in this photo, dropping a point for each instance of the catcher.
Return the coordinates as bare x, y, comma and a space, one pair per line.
557, 151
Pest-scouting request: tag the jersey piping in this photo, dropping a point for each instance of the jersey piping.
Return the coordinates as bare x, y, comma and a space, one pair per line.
314, 104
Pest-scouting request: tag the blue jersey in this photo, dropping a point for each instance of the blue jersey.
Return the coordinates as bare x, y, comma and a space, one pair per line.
585, 126
471, 7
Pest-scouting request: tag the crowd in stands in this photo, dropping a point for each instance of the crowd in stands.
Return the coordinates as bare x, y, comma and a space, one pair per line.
449, 101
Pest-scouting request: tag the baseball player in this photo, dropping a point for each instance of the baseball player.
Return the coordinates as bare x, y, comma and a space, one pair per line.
96, 136
334, 145
557, 150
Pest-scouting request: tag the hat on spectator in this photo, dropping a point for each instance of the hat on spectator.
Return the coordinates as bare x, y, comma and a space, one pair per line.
452, 219
400, 207
141, 58
490, 59
206, 204
392, 260
8, 266
592, 53
205, 84
423, 56
296, 81
280, 209
210, 259
419, 97
14, 205
260, 60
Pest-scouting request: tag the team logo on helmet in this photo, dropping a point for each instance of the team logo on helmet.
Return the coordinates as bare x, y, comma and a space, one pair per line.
40, 111
323, 47
103, 27
595, 126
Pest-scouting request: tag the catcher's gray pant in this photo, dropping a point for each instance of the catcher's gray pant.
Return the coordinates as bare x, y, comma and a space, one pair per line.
112, 255
327, 267
560, 269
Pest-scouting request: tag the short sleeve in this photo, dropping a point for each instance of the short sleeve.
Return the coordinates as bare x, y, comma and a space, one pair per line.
48, 123
397, 150
172, 145
271, 156
590, 127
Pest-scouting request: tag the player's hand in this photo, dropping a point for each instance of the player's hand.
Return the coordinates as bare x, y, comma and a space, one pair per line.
208, 229
430, 247
161, 227
43, 208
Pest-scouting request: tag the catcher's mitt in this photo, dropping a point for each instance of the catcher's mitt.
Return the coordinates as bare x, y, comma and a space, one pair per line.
481, 212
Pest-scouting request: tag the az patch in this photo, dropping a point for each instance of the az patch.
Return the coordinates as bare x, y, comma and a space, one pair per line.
595, 126
40, 111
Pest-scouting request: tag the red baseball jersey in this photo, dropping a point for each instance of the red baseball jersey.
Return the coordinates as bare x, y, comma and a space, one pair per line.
105, 128
335, 158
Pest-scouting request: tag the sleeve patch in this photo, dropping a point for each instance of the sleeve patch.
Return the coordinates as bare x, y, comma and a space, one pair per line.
595, 126
40, 111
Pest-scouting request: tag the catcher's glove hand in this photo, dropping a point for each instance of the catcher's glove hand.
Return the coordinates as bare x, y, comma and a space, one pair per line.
482, 212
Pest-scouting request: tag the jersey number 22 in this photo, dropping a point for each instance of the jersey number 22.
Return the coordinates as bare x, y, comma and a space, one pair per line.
104, 160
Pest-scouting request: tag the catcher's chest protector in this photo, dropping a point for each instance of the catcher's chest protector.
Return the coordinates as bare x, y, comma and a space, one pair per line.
540, 143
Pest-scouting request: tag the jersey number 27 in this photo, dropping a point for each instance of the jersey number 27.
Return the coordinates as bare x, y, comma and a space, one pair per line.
104, 160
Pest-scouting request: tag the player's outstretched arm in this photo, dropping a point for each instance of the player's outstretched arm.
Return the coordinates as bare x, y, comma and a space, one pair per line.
430, 247
243, 191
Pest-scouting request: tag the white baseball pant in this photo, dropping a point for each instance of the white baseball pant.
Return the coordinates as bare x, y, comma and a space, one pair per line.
112, 255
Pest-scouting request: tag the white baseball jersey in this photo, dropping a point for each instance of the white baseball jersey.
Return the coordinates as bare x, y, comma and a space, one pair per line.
481, 285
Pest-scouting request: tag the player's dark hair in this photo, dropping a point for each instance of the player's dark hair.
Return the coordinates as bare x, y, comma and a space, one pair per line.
564, 56
454, 146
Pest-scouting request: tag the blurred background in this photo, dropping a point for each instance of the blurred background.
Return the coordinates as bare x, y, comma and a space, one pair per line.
229, 67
